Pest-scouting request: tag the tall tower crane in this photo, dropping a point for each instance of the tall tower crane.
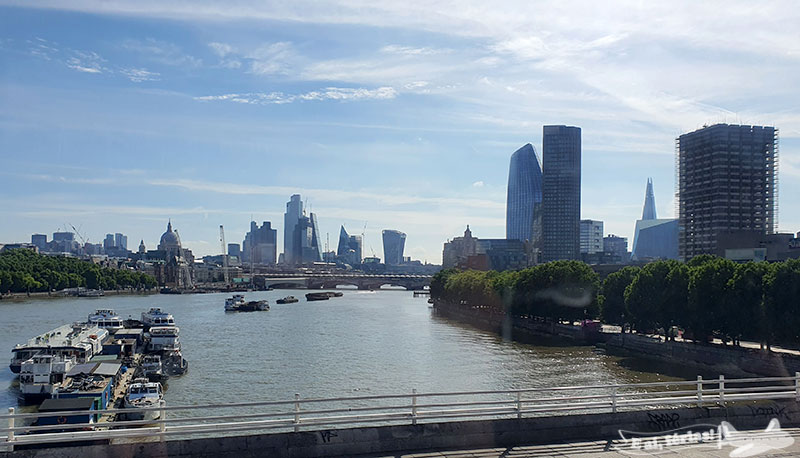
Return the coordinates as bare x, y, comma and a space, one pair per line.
225, 273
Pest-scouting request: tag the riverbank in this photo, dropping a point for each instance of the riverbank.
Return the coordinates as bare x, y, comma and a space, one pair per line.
23, 297
727, 360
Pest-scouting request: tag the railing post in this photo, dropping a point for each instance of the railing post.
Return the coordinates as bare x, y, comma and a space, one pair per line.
414, 406
699, 391
797, 386
519, 405
722, 390
614, 400
296, 412
163, 414
11, 429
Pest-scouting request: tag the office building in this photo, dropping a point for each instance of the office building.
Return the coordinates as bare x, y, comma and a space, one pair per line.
591, 236
40, 241
121, 241
350, 248
524, 198
64, 242
108, 243
654, 238
561, 192
234, 249
726, 182
394, 243
616, 248
294, 211
260, 245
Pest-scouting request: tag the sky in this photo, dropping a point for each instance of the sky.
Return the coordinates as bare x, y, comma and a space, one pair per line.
118, 115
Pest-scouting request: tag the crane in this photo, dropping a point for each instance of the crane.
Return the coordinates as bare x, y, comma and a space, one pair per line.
225, 273
364, 239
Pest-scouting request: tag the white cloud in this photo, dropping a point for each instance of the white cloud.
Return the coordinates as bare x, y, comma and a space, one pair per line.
137, 75
162, 52
272, 58
478, 184
330, 93
86, 62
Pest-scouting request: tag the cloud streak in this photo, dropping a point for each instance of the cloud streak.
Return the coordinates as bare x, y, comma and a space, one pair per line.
329, 93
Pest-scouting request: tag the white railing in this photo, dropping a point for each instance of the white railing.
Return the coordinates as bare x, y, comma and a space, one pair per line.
410, 408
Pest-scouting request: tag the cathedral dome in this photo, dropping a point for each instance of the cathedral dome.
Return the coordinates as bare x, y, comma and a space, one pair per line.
169, 239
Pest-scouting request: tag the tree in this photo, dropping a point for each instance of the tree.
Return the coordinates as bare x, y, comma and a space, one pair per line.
744, 315
781, 304
707, 295
612, 295
647, 297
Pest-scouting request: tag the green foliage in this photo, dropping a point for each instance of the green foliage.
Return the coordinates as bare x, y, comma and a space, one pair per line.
561, 290
707, 296
23, 270
612, 295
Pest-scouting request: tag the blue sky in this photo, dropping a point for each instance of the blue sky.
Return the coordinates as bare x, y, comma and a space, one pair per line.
117, 115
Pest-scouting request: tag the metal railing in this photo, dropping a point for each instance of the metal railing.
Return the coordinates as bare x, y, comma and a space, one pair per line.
410, 408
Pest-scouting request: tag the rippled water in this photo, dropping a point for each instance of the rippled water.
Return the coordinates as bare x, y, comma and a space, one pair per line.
363, 343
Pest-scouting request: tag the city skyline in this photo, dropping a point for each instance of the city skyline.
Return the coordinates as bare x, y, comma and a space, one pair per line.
121, 115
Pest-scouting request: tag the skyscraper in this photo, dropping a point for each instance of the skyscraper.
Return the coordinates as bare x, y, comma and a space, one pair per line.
649, 211
524, 200
726, 182
294, 211
394, 243
561, 192
259, 245
349, 250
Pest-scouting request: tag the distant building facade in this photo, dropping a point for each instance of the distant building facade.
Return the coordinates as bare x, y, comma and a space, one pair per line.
350, 248
591, 236
726, 182
394, 243
260, 245
173, 264
234, 249
468, 252
561, 192
654, 238
294, 211
743, 246
40, 241
616, 248
524, 198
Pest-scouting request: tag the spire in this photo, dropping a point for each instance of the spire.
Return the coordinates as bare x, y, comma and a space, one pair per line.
169, 225
649, 211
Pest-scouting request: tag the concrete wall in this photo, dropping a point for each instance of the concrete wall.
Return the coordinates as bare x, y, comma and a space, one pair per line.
726, 360
439, 436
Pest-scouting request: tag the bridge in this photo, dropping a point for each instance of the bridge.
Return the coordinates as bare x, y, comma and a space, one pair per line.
410, 421
331, 280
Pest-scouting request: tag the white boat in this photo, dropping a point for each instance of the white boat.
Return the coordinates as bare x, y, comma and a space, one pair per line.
164, 338
234, 303
106, 318
152, 368
80, 340
143, 394
156, 317
40, 376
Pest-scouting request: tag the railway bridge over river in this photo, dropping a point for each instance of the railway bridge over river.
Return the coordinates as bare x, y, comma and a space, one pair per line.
331, 280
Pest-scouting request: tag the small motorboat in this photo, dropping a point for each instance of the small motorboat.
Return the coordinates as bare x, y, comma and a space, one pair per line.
234, 303
288, 300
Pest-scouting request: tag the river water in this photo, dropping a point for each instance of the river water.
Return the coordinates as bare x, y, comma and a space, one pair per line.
364, 343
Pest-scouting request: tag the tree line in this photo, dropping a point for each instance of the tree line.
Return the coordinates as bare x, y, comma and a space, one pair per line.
22, 270
704, 297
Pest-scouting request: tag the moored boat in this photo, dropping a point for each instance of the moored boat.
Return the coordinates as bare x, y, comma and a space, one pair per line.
323, 296
41, 375
156, 317
234, 303
143, 394
173, 364
152, 368
287, 300
164, 338
80, 340
107, 319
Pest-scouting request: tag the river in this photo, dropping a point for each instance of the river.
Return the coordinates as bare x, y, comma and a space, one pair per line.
379, 342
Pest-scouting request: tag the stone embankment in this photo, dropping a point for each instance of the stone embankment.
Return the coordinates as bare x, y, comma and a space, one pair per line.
729, 360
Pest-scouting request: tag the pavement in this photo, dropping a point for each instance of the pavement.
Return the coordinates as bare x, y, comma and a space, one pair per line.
615, 449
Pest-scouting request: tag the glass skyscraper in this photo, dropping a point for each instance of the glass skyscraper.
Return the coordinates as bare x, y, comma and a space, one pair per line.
561, 193
524, 201
394, 243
